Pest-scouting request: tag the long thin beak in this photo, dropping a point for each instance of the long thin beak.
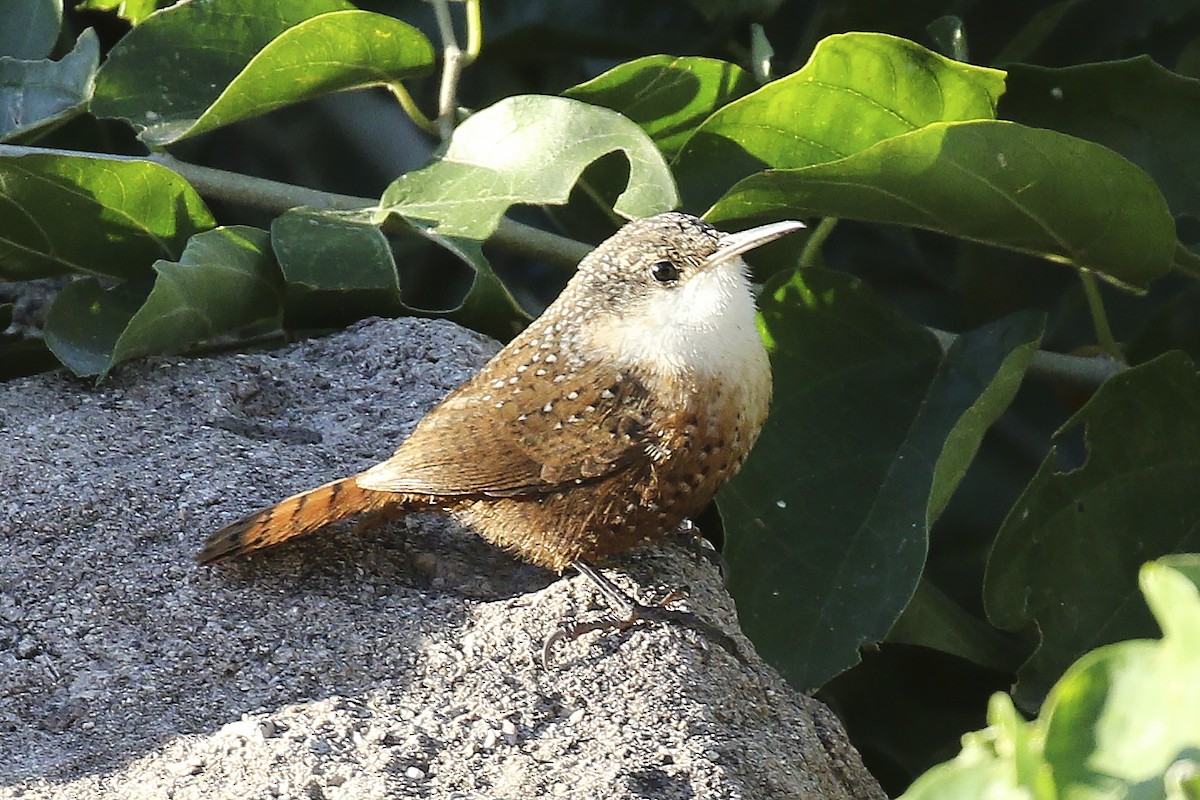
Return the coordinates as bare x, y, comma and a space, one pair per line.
734, 244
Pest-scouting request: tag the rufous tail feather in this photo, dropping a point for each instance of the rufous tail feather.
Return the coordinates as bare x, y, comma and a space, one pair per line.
298, 515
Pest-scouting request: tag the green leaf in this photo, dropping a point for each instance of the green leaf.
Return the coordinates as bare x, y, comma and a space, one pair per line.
224, 281
35, 94
1136, 107
133, 11
857, 89
94, 215
1121, 723
527, 149
247, 58
523, 150
669, 96
337, 268
931, 619
1123, 714
827, 524
1025, 189
1065, 560
32, 29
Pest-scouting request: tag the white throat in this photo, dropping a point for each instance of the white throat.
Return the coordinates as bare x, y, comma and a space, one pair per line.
703, 328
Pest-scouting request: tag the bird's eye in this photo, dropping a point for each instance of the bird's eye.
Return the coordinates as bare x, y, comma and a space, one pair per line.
665, 272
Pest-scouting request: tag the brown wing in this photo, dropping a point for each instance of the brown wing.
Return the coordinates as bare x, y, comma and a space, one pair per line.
498, 437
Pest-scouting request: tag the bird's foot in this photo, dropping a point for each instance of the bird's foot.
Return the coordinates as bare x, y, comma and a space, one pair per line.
688, 534
627, 612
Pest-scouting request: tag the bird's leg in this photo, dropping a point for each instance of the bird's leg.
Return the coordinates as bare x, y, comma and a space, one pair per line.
626, 612
690, 537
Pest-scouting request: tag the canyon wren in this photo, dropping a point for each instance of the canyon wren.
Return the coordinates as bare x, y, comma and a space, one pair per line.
614, 416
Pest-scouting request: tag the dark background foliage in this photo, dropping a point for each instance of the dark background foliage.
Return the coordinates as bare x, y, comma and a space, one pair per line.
923, 680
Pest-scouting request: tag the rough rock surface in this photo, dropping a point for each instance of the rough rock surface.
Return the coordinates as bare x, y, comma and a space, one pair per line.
399, 661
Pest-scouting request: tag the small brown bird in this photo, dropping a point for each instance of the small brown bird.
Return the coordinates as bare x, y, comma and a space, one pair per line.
612, 418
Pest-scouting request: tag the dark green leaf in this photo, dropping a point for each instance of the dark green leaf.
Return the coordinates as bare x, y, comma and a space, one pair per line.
931, 619
857, 90
1145, 112
34, 94
94, 215
827, 524
1066, 559
30, 28
248, 57
225, 280
1081, 31
1026, 189
337, 268
669, 96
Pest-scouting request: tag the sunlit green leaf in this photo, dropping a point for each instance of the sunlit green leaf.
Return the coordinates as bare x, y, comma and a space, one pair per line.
669, 96
101, 216
133, 11
246, 58
1026, 189
1121, 723
857, 90
523, 150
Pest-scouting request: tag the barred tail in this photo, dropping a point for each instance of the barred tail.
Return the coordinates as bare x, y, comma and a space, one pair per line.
298, 515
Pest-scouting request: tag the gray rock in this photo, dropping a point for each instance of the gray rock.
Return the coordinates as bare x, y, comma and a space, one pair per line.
393, 661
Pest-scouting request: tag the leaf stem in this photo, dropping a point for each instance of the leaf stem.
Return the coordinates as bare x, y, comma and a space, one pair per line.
1104, 335
452, 63
410, 108
810, 256
474, 32
1087, 372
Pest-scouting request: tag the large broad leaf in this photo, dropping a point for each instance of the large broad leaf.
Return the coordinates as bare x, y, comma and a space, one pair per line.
1026, 189
669, 96
523, 150
871, 427
37, 94
30, 28
200, 65
101, 216
1066, 559
225, 280
856, 90
1122, 722
1143, 111
526, 149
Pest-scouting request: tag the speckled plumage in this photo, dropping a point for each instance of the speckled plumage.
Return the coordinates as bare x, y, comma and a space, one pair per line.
616, 414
